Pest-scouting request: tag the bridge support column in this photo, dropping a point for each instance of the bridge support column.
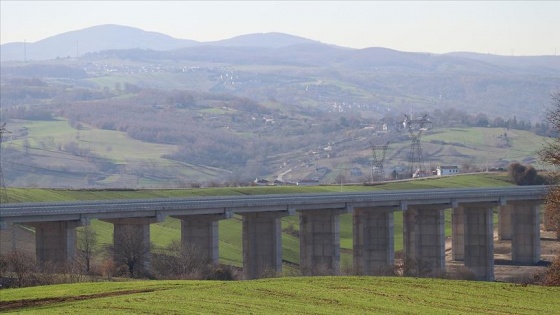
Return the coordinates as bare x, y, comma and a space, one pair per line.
131, 243
200, 234
458, 234
479, 241
55, 242
374, 243
424, 238
319, 246
504, 223
262, 243
525, 242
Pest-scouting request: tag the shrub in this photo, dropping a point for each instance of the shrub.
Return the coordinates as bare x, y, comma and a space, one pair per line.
552, 274
524, 174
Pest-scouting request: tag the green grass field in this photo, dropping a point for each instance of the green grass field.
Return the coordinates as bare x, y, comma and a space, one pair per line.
314, 295
483, 144
230, 246
453, 146
52, 195
113, 145
46, 138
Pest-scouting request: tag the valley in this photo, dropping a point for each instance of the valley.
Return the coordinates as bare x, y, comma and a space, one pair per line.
110, 159
262, 107
279, 157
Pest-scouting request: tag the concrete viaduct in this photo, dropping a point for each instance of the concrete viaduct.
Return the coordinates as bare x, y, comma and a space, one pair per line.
373, 252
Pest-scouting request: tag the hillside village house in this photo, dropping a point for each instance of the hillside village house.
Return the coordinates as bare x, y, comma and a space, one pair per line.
447, 170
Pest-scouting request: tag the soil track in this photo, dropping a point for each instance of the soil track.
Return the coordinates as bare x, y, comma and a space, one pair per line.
18, 304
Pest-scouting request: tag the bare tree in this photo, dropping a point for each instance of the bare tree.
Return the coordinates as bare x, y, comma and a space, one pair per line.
551, 155
23, 267
87, 244
552, 275
340, 179
131, 249
183, 261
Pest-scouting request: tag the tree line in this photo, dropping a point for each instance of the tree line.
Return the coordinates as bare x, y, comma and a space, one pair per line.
454, 118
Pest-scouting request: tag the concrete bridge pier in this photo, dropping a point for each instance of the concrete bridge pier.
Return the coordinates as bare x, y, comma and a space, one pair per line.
504, 222
479, 240
458, 233
55, 241
319, 246
424, 238
262, 243
200, 234
131, 241
525, 241
374, 243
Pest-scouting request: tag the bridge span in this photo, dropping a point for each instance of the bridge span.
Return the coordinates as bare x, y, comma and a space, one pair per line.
373, 234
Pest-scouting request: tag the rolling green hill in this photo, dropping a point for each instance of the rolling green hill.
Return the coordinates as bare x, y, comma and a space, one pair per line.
54, 154
483, 146
317, 295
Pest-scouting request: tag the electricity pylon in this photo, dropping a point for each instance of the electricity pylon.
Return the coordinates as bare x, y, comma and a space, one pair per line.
378, 160
415, 127
3, 192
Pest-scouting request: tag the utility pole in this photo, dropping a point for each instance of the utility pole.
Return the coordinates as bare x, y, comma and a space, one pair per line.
3, 191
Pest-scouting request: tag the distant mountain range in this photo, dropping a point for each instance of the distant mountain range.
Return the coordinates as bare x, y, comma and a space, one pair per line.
282, 66
271, 48
109, 37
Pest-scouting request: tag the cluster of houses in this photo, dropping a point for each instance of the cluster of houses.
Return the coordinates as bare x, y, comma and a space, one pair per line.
440, 171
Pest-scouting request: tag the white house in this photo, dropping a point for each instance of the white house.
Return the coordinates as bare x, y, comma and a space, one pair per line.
447, 170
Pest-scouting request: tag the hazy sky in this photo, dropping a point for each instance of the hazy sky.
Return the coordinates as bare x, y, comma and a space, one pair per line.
501, 27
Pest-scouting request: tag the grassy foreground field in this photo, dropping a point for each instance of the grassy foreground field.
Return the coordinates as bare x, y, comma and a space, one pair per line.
314, 295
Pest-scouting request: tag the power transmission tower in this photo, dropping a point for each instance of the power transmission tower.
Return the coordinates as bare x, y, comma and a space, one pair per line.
3, 192
378, 153
415, 127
